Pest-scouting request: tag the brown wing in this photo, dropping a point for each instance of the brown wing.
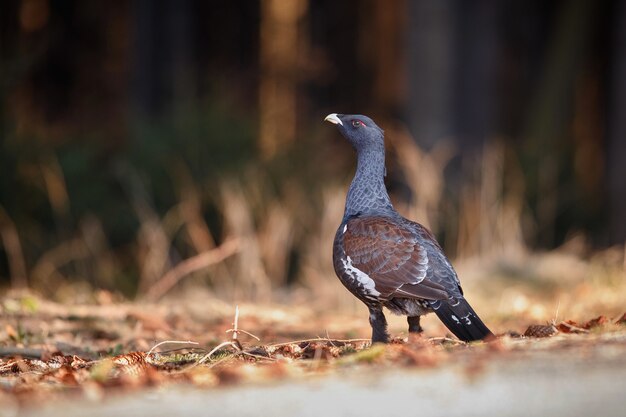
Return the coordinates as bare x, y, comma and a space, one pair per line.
392, 256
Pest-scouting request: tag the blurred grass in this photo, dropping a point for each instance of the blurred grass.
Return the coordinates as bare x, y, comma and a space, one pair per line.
80, 216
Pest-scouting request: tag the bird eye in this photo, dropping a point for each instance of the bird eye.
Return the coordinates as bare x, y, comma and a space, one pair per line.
356, 123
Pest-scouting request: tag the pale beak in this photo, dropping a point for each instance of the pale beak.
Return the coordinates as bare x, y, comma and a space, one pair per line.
333, 119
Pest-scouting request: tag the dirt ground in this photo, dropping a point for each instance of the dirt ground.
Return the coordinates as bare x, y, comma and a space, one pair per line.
544, 384
179, 357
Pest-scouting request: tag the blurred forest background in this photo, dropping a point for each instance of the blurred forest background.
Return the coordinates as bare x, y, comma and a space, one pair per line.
148, 146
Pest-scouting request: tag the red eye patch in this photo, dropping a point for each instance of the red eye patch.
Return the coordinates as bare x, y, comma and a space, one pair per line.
357, 123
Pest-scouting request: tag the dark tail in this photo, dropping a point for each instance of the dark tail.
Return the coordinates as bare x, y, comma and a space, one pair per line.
461, 319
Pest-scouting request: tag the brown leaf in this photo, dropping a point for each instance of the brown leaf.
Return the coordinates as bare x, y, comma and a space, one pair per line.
621, 320
66, 376
317, 351
598, 321
291, 350
77, 362
570, 326
540, 330
129, 359
132, 363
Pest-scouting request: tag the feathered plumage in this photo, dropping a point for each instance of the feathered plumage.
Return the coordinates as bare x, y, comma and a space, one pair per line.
386, 260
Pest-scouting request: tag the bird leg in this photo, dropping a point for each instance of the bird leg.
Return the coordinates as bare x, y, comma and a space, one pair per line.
379, 326
414, 324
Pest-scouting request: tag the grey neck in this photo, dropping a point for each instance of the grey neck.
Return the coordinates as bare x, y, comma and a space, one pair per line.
367, 194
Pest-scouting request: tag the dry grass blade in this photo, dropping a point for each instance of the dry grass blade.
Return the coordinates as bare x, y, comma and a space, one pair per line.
444, 339
215, 349
181, 342
15, 256
235, 330
320, 339
188, 266
234, 342
244, 332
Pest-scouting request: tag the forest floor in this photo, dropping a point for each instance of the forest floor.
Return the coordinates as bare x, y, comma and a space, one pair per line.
560, 322
108, 358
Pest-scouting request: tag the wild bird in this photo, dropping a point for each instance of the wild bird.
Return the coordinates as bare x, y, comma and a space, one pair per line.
386, 260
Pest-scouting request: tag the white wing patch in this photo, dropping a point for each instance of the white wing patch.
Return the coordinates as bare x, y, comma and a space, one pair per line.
466, 319
363, 279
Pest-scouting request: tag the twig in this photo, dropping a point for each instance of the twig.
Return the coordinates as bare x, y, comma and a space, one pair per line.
235, 329
319, 339
189, 342
53, 259
329, 339
446, 339
254, 355
245, 332
215, 349
556, 313
572, 328
22, 352
234, 342
190, 265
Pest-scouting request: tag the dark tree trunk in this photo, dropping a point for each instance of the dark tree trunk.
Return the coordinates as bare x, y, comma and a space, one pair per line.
476, 51
616, 155
430, 25
162, 53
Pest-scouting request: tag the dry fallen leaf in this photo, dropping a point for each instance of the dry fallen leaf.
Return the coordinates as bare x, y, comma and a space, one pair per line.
570, 326
540, 330
598, 321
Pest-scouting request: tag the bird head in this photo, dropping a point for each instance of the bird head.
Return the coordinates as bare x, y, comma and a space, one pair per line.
361, 131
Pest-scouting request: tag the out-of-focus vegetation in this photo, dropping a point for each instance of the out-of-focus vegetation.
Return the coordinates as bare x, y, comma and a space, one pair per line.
140, 137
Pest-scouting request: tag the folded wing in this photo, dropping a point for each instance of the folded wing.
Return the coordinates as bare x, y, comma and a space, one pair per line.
391, 255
